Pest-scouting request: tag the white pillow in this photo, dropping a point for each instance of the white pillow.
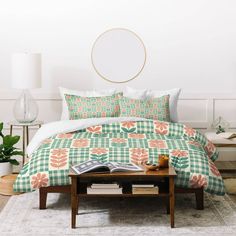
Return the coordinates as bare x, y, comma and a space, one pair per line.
145, 93
135, 94
91, 93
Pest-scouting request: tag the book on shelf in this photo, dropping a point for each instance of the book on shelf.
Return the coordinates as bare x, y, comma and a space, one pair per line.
145, 189
100, 167
143, 185
104, 186
227, 135
104, 190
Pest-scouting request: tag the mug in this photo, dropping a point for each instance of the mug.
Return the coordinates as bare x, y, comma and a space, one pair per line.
163, 160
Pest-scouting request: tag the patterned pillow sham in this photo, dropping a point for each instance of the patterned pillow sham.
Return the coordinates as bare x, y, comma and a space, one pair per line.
153, 108
93, 107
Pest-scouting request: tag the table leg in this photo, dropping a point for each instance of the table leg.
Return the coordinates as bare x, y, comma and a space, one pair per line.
23, 144
27, 135
74, 201
11, 126
172, 201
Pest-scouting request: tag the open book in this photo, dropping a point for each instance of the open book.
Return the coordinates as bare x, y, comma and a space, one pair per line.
227, 135
98, 166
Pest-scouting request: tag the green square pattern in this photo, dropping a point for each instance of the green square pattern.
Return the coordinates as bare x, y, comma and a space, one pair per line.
191, 154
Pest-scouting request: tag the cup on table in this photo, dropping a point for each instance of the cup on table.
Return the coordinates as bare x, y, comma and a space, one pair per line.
163, 160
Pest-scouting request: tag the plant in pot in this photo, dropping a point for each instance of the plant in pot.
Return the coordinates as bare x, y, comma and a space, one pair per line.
7, 151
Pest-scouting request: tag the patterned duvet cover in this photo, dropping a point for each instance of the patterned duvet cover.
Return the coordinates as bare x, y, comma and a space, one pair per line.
191, 154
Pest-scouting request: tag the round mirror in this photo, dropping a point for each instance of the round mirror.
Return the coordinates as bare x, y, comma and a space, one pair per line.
118, 55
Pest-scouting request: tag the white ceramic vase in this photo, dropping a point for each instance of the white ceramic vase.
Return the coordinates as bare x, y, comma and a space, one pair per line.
5, 168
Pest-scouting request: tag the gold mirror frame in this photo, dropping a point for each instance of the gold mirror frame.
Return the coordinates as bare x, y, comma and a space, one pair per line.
137, 74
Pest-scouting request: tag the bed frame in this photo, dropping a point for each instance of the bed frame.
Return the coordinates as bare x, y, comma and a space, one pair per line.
199, 194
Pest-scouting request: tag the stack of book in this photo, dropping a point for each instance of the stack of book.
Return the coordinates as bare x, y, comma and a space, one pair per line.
145, 189
104, 189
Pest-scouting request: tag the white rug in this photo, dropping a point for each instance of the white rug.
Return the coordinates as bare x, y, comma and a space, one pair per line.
104, 216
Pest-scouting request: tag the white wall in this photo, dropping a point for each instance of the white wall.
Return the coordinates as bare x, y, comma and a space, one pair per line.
190, 44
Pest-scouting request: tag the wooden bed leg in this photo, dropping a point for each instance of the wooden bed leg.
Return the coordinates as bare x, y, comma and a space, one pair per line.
199, 199
42, 198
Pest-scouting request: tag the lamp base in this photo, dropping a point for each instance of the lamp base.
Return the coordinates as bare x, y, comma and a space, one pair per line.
25, 108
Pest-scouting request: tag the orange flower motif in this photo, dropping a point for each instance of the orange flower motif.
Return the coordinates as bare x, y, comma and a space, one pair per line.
137, 136
157, 144
128, 124
198, 181
214, 169
99, 151
139, 155
59, 152
117, 108
179, 153
194, 143
118, 140
67, 135
58, 162
161, 127
189, 131
78, 143
209, 148
95, 129
39, 180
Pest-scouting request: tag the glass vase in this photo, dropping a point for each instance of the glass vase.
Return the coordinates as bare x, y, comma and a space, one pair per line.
25, 108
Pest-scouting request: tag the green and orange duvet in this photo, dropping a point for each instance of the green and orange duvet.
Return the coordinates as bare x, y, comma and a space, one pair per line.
191, 154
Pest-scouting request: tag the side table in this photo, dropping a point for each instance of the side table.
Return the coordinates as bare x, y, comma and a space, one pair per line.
25, 132
221, 143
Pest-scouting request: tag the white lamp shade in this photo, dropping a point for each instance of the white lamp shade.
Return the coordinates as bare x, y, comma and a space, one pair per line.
26, 70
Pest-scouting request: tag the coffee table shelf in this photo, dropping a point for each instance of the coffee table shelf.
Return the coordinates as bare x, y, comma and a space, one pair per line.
124, 195
163, 178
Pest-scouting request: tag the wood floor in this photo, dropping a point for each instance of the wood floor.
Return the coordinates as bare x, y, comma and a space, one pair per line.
223, 166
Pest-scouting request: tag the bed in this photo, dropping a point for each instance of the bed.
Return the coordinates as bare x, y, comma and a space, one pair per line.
58, 145
134, 126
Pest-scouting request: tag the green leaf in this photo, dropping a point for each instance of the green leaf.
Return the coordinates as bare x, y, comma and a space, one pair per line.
14, 162
1, 126
128, 130
183, 166
15, 153
10, 141
7, 150
131, 130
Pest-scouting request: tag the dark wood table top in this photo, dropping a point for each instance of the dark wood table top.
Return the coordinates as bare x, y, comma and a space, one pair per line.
162, 172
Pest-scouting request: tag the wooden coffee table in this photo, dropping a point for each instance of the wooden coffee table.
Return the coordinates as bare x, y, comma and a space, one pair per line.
163, 178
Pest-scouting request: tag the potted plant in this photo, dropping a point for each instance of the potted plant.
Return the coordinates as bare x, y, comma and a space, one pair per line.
7, 151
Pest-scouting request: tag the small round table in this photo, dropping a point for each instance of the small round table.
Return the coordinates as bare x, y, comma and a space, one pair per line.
25, 129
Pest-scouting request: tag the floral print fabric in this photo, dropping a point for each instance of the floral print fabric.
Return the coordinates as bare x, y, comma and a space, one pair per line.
153, 108
191, 154
92, 107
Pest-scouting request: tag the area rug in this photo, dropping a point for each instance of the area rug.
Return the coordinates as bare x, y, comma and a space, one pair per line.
113, 216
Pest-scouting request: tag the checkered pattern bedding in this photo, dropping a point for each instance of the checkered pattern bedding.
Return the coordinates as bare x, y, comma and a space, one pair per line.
191, 154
